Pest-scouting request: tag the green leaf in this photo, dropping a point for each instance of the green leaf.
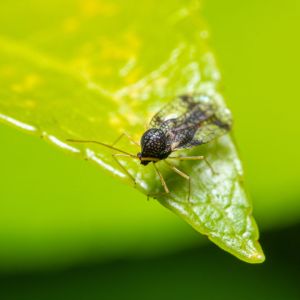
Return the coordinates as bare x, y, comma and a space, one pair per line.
94, 69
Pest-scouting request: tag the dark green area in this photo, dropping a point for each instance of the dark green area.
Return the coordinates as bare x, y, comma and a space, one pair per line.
201, 273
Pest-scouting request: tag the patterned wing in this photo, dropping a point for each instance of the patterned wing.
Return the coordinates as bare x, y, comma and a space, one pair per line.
217, 125
192, 120
179, 111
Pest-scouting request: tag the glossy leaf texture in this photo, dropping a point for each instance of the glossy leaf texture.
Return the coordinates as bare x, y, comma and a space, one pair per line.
93, 69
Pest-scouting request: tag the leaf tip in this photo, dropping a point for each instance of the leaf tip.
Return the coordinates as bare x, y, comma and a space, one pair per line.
258, 256
253, 254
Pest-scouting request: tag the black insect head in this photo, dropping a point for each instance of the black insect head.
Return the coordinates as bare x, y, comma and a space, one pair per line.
154, 145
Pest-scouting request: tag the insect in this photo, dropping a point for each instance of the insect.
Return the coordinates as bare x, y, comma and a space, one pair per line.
186, 122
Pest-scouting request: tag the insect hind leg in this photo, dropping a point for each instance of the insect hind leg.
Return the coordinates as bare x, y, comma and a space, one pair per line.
210, 166
195, 158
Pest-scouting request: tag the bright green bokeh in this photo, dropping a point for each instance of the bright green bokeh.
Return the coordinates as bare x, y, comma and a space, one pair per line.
258, 48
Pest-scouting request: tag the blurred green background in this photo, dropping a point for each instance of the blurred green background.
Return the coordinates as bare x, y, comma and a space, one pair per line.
62, 237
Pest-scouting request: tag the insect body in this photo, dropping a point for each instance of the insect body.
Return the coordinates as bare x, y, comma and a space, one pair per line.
186, 122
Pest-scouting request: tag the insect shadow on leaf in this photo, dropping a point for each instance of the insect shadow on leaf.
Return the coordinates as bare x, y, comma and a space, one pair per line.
185, 122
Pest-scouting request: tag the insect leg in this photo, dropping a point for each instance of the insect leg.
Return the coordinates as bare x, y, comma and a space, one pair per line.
122, 167
187, 157
129, 137
163, 183
195, 158
182, 174
210, 166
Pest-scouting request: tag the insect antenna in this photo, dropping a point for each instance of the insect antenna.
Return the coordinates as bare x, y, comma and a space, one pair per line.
102, 144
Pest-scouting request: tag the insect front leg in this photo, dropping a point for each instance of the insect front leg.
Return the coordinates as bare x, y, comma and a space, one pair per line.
129, 137
122, 167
